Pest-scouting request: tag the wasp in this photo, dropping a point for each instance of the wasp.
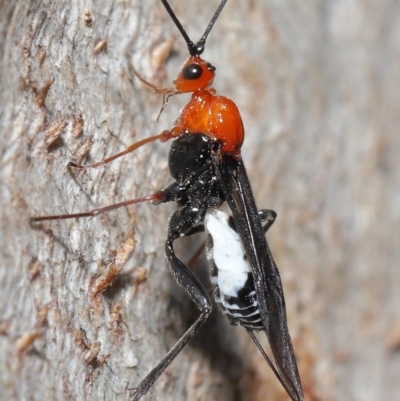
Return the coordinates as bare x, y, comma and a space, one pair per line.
206, 163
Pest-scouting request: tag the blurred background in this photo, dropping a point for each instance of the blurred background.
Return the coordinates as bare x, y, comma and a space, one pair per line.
317, 84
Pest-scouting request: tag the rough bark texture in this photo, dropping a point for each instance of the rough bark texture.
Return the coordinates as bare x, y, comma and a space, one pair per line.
318, 85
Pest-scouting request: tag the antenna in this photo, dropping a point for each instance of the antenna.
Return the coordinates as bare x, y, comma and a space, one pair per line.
198, 48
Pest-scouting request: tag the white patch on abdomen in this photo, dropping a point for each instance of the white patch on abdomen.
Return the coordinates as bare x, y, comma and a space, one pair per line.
228, 254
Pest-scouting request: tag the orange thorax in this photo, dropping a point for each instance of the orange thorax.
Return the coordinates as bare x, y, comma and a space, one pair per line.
215, 116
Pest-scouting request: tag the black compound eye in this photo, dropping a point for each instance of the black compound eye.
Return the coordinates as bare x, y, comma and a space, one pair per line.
192, 71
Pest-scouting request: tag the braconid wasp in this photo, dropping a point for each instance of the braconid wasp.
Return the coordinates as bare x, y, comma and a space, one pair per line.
206, 164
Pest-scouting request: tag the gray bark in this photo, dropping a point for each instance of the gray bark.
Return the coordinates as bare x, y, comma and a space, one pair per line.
317, 83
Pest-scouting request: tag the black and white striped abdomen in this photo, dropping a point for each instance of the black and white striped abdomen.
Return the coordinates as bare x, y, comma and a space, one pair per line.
230, 273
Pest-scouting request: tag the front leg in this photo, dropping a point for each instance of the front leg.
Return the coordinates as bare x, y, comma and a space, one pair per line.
181, 222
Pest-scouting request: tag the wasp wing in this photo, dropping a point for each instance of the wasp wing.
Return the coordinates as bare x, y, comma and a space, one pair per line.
235, 185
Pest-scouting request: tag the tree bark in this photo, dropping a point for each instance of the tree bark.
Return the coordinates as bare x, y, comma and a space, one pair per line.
87, 306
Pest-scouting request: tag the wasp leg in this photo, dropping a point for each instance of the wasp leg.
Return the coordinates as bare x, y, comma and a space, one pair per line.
268, 217
182, 221
156, 198
195, 230
163, 137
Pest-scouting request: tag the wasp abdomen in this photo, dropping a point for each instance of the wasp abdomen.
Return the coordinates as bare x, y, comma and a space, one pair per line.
230, 272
